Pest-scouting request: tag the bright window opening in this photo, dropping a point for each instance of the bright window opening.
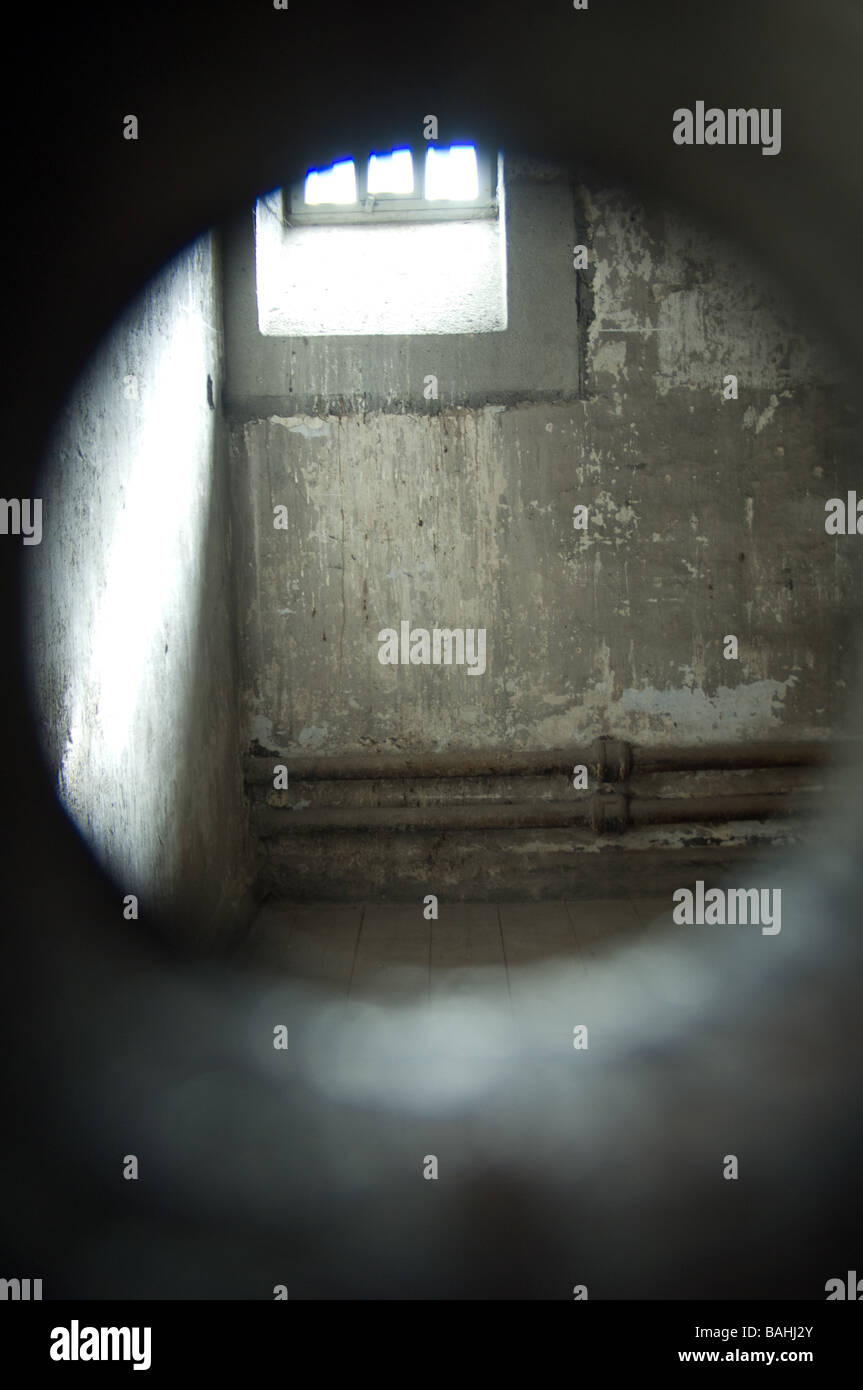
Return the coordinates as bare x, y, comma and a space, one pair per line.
391, 173
402, 185
337, 184
404, 241
452, 173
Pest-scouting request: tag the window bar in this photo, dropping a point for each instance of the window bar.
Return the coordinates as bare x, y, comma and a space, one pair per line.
362, 170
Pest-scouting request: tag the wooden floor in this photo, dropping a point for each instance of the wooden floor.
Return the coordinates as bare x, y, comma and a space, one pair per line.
389, 953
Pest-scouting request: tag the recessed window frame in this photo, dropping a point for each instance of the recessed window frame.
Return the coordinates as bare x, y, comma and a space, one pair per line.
398, 207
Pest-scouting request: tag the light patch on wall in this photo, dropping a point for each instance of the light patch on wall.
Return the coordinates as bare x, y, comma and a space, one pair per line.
694, 715
146, 549
309, 426
687, 715
398, 278
313, 736
610, 356
759, 419
611, 522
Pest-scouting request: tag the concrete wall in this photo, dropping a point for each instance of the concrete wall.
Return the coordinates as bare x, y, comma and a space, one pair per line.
132, 620
536, 357
706, 515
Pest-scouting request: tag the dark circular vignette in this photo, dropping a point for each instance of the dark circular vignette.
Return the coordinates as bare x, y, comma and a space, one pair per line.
229, 110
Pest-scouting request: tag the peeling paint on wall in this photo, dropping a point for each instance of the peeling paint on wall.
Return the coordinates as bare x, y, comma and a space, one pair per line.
309, 426
693, 715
